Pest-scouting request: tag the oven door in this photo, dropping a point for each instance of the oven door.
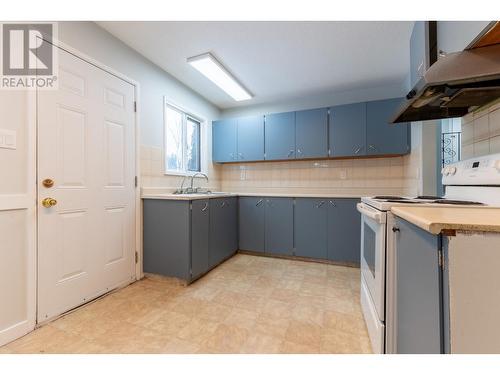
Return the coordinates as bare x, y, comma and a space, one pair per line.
373, 232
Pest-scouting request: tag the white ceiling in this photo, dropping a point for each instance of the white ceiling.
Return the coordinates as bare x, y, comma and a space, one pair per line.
276, 60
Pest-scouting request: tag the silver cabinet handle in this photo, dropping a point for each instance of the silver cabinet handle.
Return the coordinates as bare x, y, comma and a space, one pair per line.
259, 202
299, 151
332, 203
205, 208
241, 155
320, 204
223, 204
358, 150
372, 147
290, 153
231, 155
269, 203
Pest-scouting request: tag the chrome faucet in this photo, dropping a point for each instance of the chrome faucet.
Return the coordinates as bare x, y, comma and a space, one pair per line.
197, 174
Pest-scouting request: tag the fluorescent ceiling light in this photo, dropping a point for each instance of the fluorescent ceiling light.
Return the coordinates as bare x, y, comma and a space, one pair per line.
207, 65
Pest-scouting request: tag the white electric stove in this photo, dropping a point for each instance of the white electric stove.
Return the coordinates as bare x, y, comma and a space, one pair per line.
473, 182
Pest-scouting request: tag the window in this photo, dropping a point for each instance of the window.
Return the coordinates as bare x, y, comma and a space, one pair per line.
182, 142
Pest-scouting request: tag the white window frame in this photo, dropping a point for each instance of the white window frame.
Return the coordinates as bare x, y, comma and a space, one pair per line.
203, 150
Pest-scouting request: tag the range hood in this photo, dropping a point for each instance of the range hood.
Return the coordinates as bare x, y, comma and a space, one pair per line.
454, 85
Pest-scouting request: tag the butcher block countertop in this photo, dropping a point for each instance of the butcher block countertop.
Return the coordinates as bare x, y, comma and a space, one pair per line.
435, 219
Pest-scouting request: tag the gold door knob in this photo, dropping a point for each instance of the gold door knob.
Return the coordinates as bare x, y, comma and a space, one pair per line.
48, 202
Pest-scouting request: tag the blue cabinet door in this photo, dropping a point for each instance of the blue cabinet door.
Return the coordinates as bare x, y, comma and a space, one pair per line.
280, 136
217, 241
419, 59
230, 225
418, 291
250, 138
348, 130
200, 219
279, 226
344, 230
224, 140
252, 224
311, 227
167, 238
311, 133
382, 137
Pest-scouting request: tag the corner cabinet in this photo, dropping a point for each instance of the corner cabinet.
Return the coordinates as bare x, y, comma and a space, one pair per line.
185, 239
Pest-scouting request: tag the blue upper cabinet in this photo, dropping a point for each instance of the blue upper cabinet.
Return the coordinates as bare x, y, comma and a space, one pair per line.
280, 136
348, 130
224, 134
419, 59
311, 133
250, 138
382, 137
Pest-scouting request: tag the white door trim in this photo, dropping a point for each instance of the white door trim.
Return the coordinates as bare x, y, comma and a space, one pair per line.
26, 201
33, 169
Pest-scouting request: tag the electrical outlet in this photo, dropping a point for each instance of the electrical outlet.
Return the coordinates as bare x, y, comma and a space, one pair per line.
343, 174
243, 173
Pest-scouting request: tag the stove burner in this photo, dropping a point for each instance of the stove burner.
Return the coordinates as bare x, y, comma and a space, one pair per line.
452, 201
390, 198
402, 200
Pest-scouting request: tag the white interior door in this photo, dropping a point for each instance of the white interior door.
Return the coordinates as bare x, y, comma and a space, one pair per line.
86, 145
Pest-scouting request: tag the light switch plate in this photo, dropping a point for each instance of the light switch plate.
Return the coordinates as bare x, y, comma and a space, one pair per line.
343, 174
8, 139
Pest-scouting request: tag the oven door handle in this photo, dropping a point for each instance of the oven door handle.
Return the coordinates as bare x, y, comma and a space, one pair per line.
371, 213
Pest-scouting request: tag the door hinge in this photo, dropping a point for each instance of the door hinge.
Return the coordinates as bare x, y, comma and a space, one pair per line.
135, 106
135, 181
441, 259
136, 257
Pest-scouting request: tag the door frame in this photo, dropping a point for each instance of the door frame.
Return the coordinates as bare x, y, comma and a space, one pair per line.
33, 168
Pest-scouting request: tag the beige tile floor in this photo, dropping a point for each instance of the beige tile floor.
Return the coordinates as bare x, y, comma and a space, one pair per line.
248, 304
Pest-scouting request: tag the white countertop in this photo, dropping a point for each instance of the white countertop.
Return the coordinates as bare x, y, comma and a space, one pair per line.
435, 219
188, 197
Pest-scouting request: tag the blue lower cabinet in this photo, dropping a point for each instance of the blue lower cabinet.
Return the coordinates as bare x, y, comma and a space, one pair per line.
200, 225
311, 133
344, 230
311, 227
166, 237
418, 291
280, 136
252, 223
223, 233
279, 226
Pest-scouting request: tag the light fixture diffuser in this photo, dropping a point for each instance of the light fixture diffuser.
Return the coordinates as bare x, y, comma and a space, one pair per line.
208, 65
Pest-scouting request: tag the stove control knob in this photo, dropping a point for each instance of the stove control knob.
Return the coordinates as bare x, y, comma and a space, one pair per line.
452, 170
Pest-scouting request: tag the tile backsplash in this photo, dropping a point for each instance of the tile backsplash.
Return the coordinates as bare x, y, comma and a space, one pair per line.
481, 132
353, 176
